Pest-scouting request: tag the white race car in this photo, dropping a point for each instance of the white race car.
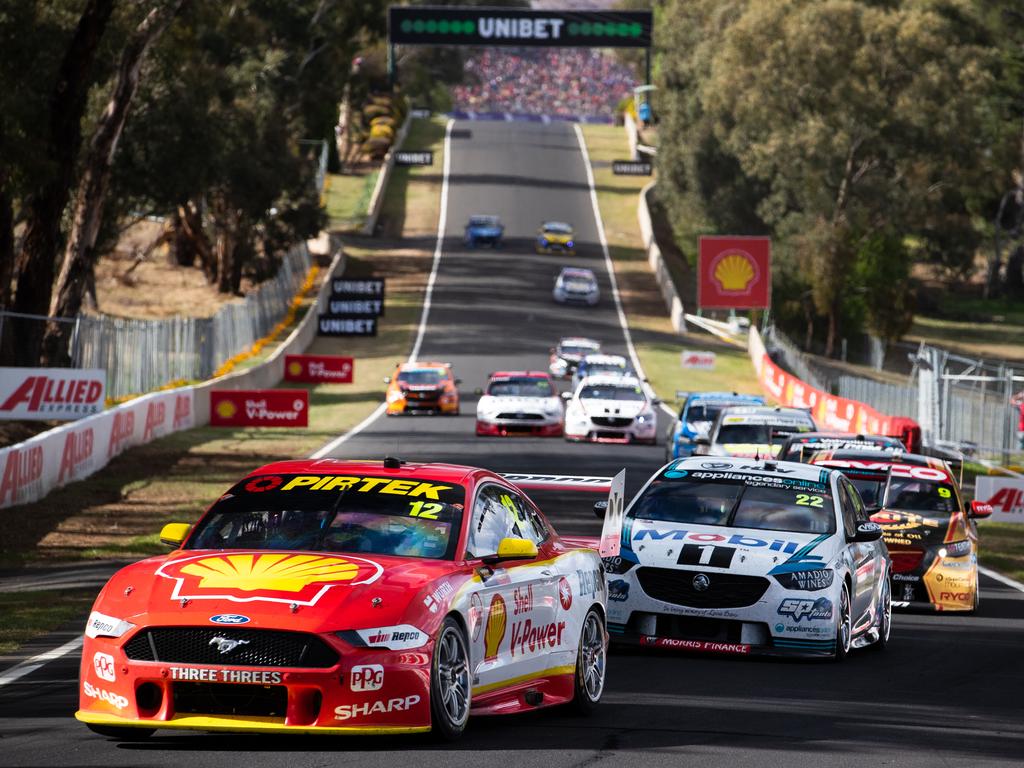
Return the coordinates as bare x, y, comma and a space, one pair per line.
737, 556
753, 431
519, 403
576, 285
567, 355
592, 365
610, 409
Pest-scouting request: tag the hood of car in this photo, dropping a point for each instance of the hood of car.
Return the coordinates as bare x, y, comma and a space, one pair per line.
594, 407
515, 402
485, 231
918, 529
555, 237
745, 551
303, 591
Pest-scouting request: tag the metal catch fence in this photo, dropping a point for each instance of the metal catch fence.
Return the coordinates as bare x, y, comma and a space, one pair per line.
143, 355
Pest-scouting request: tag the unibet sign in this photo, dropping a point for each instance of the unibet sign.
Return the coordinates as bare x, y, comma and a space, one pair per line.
412, 25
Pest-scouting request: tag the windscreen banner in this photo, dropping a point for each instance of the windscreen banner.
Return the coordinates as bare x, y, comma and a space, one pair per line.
51, 394
520, 27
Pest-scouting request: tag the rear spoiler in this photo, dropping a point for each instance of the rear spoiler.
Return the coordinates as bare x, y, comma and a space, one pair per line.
615, 487
560, 482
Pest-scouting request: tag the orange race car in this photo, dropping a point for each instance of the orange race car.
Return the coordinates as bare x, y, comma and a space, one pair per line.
422, 388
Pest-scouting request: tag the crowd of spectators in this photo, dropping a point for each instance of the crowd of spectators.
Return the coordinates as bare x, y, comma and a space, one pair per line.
569, 82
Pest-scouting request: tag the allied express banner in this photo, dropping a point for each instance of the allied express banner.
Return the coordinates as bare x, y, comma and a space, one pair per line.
51, 393
520, 27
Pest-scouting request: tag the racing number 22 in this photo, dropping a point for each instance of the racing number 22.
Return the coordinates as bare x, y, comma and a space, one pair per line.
805, 500
425, 509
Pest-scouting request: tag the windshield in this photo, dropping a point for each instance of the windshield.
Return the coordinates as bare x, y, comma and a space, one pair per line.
483, 221
558, 228
422, 377
592, 369
521, 386
574, 349
779, 505
914, 495
406, 517
755, 434
703, 412
610, 392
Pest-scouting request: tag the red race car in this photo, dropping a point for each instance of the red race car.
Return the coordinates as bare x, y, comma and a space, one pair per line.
351, 597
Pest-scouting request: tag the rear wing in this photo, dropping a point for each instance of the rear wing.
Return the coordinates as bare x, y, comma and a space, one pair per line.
615, 487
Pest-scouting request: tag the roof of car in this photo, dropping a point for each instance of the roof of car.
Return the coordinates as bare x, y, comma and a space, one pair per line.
482, 218
723, 398
791, 470
912, 464
598, 358
577, 272
530, 374
610, 380
579, 341
763, 414
454, 473
421, 365
557, 226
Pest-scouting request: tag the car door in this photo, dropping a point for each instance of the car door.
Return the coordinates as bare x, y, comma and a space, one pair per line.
516, 596
865, 555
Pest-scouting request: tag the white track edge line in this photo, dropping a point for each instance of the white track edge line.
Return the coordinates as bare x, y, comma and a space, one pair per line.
623, 322
30, 665
442, 224
1001, 579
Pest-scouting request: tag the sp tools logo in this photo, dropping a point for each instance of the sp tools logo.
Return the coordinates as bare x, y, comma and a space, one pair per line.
266, 576
812, 610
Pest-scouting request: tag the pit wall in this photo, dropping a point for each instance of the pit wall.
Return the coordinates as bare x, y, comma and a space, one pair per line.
831, 413
75, 450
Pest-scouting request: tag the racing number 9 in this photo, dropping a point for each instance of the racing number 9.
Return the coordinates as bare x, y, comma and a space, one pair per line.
944, 492
806, 500
424, 509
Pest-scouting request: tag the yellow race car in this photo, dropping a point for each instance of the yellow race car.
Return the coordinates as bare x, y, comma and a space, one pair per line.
555, 237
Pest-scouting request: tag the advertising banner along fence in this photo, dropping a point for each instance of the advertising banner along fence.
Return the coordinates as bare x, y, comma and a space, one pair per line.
319, 369
46, 394
259, 408
1005, 494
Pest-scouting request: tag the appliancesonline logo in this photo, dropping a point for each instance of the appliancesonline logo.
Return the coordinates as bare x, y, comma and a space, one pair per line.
265, 577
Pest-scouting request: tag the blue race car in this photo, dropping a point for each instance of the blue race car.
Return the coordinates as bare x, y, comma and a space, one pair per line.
698, 412
484, 230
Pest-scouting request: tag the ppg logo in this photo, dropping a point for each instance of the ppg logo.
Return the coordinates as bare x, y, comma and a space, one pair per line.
367, 677
103, 663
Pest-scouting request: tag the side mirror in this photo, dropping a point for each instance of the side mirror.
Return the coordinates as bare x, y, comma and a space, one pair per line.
174, 534
567, 396
387, 379
457, 382
600, 507
867, 532
980, 509
513, 549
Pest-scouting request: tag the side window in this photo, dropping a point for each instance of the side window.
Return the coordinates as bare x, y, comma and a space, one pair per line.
492, 521
530, 522
860, 512
849, 513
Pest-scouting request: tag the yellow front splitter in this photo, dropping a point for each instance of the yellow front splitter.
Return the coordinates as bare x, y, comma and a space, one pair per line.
226, 723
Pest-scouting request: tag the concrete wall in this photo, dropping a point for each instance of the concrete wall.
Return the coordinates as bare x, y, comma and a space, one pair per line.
657, 263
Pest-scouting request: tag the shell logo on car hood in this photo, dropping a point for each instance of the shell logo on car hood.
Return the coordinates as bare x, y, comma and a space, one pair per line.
265, 576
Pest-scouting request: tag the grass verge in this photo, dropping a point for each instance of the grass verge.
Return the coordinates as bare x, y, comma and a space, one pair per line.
347, 198
657, 343
1002, 548
119, 510
30, 614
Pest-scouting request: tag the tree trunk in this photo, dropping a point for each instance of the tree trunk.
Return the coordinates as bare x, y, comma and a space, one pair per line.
830, 341
35, 265
6, 242
80, 255
191, 240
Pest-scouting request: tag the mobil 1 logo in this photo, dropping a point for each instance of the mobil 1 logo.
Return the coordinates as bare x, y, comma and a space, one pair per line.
706, 554
346, 325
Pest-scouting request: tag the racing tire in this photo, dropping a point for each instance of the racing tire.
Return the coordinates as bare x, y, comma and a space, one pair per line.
885, 625
120, 733
844, 627
450, 689
591, 663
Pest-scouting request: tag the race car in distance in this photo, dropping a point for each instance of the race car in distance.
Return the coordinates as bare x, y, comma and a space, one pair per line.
596, 364
741, 556
567, 355
576, 285
484, 230
753, 431
696, 415
610, 409
422, 388
555, 237
803, 446
932, 537
520, 403
344, 597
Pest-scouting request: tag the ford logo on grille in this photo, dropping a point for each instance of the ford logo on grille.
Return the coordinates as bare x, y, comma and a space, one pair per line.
701, 582
229, 618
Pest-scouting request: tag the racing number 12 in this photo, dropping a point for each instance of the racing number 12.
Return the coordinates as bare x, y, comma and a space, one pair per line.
424, 509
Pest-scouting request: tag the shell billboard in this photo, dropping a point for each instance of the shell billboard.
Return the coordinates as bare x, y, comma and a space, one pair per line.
735, 272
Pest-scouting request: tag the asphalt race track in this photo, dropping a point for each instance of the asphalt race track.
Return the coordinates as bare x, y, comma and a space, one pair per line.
947, 690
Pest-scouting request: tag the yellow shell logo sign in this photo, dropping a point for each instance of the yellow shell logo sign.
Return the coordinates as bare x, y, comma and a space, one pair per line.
271, 576
295, 368
226, 409
735, 272
494, 632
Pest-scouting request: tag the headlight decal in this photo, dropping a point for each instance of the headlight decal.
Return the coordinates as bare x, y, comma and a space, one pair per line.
809, 581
